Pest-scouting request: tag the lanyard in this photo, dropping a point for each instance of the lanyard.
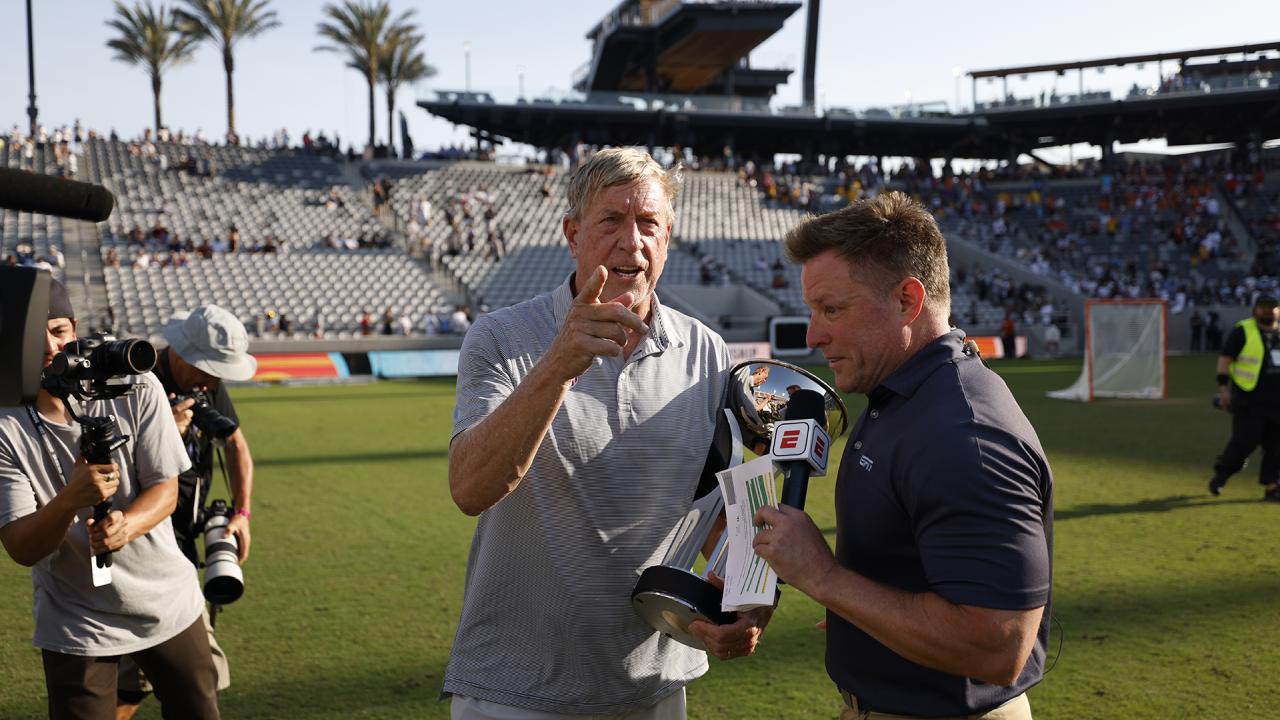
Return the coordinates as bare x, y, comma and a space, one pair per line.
51, 457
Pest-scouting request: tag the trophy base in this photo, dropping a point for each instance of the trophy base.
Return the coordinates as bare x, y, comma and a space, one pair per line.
669, 599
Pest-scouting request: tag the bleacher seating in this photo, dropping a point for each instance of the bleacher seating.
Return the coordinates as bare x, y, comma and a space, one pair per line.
277, 194
261, 192
332, 286
28, 237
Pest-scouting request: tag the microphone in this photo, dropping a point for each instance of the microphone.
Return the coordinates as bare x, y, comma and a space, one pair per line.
47, 195
801, 444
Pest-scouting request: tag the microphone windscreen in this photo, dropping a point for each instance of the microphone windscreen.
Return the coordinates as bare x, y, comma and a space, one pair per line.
47, 195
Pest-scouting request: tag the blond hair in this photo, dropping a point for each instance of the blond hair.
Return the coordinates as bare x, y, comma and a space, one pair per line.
619, 166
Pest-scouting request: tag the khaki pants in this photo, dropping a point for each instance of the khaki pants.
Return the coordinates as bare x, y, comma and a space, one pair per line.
1016, 709
132, 678
672, 707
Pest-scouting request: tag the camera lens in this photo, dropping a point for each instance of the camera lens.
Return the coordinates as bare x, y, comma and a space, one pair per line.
223, 578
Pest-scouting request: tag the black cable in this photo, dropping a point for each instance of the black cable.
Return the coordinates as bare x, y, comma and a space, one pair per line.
1062, 634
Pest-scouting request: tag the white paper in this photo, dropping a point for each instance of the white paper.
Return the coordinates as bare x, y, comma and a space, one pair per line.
749, 582
101, 575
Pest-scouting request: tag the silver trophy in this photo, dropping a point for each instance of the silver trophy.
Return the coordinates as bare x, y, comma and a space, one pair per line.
671, 594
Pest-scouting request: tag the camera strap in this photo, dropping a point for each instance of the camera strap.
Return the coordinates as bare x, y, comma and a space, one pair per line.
51, 457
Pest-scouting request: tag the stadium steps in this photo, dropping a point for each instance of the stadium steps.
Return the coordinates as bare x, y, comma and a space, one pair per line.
86, 283
1245, 240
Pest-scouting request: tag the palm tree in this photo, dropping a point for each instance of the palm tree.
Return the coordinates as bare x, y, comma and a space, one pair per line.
224, 22
403, 63
361, 30
148, 36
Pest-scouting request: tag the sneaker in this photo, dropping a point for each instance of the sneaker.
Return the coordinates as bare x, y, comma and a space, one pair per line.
1215, 486
1271, 495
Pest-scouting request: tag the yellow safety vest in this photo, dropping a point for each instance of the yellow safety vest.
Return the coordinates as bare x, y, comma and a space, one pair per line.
1244, 370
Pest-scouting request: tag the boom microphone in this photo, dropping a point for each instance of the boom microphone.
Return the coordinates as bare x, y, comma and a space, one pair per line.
47, 195
801, 444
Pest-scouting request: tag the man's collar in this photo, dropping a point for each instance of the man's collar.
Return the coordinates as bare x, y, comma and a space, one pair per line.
911, 374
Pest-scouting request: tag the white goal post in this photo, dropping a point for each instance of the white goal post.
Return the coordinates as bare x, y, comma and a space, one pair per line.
1126, 346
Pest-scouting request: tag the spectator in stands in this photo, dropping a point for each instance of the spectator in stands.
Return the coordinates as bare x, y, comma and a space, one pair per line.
519, 427
430, 323
152, 606
1052, 339
1197, 330
460, 321
366, 323
404, 324
388, 322
1009, 336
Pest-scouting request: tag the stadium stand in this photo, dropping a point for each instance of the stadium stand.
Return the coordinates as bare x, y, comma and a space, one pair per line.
306, 241
26, 238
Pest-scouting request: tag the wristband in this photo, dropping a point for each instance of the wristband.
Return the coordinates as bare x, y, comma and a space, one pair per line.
1223, 379
244, 513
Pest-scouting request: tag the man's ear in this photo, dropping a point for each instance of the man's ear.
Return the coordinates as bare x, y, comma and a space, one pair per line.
570, 229
911, 297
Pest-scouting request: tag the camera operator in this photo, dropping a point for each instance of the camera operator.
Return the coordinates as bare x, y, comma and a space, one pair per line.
206, 346
151, 608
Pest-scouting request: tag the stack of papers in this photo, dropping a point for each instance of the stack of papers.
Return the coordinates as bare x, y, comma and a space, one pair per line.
749, 582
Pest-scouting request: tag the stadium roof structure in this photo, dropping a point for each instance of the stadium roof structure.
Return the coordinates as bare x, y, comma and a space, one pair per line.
684, 47
1120, 61
708, 124
1220, 102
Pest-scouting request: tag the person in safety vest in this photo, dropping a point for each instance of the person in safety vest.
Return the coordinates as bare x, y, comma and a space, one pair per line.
1249, 388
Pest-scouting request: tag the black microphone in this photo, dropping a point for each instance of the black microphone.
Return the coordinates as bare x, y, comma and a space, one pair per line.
801, 444
47, 195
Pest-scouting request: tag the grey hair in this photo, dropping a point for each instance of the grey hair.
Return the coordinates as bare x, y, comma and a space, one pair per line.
619, 166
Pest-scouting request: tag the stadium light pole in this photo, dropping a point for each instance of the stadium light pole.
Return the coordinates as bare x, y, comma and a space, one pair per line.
31, 73
466, 52
955, 73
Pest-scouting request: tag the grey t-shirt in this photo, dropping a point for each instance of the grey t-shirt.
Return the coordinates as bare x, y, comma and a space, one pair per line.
154, 594
547, 622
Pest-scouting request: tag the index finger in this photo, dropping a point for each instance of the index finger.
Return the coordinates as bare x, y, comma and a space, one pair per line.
591, 287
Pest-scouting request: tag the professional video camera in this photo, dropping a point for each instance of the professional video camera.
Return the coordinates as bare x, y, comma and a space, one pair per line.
96, 368
206, 418
223, 578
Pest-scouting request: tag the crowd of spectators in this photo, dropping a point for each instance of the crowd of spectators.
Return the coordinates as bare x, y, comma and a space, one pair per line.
471, 217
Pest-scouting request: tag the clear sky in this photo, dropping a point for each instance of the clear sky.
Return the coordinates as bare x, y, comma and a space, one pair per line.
869, 54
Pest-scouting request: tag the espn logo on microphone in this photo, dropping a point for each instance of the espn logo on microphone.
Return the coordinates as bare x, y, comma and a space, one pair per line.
795, 440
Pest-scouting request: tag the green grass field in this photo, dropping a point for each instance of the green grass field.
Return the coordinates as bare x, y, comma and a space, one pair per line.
1168, 599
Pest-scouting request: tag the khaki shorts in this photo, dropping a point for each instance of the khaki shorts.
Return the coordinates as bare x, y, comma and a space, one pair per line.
131, 678
1016, 709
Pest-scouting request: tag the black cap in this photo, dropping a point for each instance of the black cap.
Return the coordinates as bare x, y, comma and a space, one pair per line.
59, 302
1265, 301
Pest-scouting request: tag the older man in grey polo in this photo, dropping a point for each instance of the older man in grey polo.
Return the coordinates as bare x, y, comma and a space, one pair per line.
582, 422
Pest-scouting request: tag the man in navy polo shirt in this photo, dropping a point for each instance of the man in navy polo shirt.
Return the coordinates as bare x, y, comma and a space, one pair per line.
938, 591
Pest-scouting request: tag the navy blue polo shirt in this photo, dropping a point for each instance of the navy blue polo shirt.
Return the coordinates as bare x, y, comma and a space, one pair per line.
943, 488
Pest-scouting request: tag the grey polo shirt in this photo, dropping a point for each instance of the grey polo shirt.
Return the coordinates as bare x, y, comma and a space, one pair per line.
154, 593
547, 622
943, 487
